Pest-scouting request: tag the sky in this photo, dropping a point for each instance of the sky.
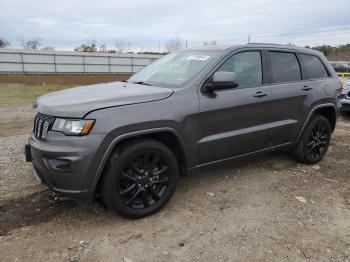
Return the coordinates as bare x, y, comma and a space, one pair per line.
65, 24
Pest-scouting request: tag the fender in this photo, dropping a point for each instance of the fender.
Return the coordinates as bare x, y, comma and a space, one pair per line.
310, 115
122, 137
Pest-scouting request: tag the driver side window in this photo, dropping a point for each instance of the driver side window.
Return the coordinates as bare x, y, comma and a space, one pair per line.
247, 66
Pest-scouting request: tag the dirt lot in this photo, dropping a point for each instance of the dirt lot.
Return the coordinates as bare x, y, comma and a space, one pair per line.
266, 208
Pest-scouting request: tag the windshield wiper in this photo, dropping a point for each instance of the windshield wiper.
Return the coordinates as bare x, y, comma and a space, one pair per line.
141, 83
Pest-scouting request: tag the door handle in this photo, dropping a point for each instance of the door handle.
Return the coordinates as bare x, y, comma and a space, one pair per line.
306, 88
260, 94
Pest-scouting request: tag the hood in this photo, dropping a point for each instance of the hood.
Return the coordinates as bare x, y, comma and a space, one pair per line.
77, 102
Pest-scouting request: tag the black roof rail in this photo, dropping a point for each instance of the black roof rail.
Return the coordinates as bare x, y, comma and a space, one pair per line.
270, 44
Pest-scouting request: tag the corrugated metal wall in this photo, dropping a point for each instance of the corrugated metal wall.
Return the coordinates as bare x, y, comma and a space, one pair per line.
57, 62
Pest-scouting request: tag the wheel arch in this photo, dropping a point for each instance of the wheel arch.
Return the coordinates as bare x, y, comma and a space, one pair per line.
167, 136
327, 110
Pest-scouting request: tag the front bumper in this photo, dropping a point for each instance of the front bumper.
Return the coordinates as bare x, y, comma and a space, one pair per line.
345, 98
66, 164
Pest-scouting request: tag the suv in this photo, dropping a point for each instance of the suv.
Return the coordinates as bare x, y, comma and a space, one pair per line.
128, 142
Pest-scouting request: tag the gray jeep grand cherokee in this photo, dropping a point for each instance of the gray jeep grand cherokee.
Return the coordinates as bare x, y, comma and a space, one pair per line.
128, 142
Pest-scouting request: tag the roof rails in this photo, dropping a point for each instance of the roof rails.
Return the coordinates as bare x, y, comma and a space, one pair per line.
269, 44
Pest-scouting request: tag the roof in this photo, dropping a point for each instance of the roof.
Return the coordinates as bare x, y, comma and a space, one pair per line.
250, 45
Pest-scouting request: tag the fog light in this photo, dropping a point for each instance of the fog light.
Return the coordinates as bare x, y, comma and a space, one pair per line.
59, 164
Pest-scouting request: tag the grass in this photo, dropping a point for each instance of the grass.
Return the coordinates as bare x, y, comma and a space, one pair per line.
23, 94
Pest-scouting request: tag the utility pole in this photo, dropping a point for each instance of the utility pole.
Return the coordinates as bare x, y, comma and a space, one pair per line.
248, 38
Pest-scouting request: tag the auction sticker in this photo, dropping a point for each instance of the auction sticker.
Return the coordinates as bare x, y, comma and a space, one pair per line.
198, 57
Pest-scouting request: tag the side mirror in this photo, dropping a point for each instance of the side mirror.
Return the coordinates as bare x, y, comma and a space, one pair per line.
222, 80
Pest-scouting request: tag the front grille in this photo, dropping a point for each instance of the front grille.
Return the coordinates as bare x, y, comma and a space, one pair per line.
42, 125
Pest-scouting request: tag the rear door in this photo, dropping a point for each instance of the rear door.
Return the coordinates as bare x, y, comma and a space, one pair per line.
291, 96
232, 122
317, 75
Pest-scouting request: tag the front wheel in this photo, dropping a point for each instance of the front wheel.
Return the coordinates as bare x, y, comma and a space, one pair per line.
140, 179
314, 141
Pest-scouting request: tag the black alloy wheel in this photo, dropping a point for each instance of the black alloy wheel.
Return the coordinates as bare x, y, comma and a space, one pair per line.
314, 141
144, 180
140, 179
318, 140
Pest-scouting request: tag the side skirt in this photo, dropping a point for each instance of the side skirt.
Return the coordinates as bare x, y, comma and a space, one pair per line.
243, 155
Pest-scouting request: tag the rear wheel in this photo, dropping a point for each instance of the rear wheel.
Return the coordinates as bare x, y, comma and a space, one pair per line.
315, 140
140, 179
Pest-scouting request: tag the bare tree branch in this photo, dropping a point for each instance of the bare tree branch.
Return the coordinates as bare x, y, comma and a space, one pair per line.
88, 47
4, 43
30, 44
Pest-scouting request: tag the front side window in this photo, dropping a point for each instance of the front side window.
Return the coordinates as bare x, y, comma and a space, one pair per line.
247, 65
284, 67
314, 67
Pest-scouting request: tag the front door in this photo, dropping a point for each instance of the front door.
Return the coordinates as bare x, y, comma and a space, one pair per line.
233, 122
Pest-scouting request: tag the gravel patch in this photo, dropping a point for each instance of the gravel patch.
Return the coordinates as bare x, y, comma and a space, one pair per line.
16, 180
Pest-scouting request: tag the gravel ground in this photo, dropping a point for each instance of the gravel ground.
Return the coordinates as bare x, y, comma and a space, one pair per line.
266, 208
15, 181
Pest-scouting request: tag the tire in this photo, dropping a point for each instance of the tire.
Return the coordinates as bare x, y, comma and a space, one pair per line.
314, 141
140, 179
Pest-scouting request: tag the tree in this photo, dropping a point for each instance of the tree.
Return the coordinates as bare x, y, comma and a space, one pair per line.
211, 42
174, 44
4, 43
325, 49
30, 44
88, 47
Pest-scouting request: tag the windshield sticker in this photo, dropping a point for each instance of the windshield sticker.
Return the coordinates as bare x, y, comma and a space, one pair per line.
198, 57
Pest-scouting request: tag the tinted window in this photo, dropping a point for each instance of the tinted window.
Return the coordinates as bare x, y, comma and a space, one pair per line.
247, 65
314, 67
284, 67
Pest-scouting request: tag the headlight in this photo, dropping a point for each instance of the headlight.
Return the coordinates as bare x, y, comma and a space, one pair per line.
73, 127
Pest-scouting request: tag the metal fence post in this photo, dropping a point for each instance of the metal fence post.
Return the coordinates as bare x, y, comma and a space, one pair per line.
54, 62
132, 64
22, 62
84, 63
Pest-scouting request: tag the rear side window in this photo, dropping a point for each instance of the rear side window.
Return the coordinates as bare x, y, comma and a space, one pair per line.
314, 67
284, 67
248, 67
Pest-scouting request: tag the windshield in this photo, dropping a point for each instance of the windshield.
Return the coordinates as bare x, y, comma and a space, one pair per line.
174, 69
